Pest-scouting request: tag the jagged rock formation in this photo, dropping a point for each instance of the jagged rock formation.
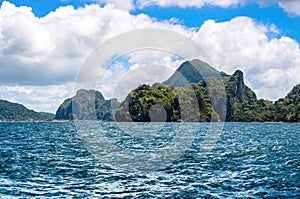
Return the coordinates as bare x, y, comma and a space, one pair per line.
14, 111
196, 92
236, 93
196, 71
87, 105
217, 97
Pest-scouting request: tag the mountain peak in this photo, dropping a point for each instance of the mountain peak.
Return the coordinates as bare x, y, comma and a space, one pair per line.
238, 73
193, 72
91, 93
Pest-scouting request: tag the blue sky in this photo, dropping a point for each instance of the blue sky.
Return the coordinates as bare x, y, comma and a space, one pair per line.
272, 13
194, 17
45, 43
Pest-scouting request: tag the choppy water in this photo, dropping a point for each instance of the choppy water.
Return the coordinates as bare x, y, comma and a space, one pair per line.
254, 160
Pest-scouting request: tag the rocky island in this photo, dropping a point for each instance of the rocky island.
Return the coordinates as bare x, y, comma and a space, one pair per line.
196, 92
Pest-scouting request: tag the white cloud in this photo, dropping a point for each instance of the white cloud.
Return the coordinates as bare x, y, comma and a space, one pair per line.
184, 4
40, 57
290, 6
143, 66
38, 98
49, 51
123, 4
243, 44
39, 51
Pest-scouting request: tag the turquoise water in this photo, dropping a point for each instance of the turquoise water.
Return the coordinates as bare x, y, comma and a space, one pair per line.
91, 160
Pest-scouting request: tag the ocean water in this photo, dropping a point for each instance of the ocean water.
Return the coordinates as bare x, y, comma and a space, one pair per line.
149, 160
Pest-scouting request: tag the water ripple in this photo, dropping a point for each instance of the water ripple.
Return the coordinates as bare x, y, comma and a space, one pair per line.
49, 160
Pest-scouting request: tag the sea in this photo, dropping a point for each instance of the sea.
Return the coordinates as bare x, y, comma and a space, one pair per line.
149, 160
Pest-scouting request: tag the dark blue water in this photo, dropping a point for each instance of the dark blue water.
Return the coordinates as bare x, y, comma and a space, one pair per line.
54, 160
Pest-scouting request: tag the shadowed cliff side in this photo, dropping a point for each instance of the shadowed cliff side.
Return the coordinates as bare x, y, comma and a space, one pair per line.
87, 105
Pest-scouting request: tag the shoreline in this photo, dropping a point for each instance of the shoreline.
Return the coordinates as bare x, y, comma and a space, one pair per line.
34, 121
69, 121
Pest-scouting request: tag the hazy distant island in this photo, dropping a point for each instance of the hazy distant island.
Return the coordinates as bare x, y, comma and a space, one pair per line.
196, 92
13, 111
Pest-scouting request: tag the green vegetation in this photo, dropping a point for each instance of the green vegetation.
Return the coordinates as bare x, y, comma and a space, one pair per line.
137, 105
218, 97
288, 108
196, 92
14, 111
175, 104
283, 110
213, 92
254, 111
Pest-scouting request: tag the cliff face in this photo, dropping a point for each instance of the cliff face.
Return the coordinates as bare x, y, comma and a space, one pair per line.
227, 99
236, 93
87, 105
194, 93
236, 90
64, 111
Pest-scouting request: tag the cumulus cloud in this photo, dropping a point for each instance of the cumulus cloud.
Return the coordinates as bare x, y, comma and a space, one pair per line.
184, 4
50, 50
142, 66
40, 57
269, 63
124, 4
290, 6
56, 45
39, 98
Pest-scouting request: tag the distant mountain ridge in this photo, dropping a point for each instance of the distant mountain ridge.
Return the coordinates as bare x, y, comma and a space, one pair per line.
15, 111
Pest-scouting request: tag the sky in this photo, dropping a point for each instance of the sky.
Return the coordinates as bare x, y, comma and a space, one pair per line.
45, 44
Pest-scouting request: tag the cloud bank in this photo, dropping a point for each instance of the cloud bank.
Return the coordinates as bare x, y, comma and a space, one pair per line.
271, 64
40, 57
290, 6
